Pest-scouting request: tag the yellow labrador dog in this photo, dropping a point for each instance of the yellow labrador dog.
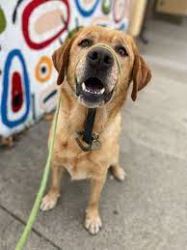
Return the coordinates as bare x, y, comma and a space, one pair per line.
96, 66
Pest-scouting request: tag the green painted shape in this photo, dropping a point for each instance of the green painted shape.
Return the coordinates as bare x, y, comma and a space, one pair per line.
73, 31
2, 20
106, 6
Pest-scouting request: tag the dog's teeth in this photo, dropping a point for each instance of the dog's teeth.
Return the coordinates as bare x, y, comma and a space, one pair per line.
102, 90
78, 80
87, 90
83, 86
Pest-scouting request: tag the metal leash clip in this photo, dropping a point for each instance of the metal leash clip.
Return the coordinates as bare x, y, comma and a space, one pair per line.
94, 143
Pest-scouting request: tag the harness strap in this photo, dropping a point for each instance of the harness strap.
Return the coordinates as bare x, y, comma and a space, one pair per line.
89, 123
86, 139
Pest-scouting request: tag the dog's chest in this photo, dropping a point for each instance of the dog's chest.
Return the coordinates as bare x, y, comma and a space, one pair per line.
78, 167
75, 161
77, 172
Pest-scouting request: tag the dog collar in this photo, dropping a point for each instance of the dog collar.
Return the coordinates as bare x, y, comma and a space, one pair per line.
87, 140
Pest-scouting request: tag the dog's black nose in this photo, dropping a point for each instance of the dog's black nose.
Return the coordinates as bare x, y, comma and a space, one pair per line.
100, 57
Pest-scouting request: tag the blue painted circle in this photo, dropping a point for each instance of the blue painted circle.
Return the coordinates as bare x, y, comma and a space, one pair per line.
4, 104
83, 11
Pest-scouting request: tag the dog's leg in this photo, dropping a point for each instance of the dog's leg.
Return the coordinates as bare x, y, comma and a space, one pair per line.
117, 171
49, 201
93, 221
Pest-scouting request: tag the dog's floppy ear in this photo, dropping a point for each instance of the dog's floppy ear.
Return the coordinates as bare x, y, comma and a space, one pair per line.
61, 57
141, 75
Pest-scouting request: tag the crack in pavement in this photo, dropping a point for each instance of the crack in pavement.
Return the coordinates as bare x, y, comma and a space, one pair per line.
36, 232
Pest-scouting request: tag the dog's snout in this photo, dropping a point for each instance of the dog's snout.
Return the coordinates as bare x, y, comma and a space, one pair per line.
100, 57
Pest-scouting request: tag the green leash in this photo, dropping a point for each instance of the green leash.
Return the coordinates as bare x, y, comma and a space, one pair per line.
32, 217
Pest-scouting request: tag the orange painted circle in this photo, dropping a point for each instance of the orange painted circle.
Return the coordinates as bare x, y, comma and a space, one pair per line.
43, 69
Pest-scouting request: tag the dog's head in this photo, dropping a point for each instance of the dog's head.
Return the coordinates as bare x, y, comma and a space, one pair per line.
99, 64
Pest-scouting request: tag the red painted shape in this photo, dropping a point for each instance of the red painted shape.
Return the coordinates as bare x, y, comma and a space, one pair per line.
25, 24
16, 92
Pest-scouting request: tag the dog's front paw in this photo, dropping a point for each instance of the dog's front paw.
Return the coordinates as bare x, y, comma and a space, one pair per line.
93, 223
49, 201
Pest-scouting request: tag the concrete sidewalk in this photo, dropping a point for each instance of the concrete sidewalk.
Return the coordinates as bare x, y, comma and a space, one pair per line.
146, 212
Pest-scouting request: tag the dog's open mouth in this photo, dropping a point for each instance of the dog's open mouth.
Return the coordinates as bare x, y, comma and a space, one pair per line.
93, 92
93, 86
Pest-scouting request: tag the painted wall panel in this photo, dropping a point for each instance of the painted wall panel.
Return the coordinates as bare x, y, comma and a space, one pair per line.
30, 30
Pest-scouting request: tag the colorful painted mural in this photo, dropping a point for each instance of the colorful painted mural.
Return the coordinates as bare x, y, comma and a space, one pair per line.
30, 30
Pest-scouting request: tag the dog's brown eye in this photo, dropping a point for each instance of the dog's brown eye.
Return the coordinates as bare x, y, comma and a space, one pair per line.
121, 51
85, 43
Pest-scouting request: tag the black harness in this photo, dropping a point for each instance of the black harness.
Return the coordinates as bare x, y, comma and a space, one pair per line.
87, 140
